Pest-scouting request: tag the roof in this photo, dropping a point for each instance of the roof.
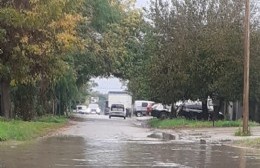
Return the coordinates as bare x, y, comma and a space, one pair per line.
119, 92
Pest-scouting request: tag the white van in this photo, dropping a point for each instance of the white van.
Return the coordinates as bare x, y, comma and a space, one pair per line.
81, 109
140, 107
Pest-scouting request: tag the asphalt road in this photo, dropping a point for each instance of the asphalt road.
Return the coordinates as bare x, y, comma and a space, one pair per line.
101, 128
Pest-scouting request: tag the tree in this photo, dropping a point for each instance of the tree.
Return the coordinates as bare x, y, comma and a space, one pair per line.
196, 41
198, 51
254, 75
138, 65
55, 47
35, 36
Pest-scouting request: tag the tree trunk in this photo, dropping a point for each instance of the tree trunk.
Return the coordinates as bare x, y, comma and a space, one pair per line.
221, 108
1, 112
6, 99
53, 106
43, 98
173, 112
256, 112
205, 111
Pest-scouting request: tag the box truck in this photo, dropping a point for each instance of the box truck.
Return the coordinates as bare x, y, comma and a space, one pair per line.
120, 97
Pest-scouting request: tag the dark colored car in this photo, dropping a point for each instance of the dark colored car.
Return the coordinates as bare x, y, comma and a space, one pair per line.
194, 111
160, 111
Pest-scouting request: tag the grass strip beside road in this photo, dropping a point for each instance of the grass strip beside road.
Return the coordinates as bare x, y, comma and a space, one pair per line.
22, 131
183, 123
249, 143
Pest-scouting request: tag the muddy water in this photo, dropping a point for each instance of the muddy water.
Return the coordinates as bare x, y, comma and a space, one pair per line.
52, 152
80, 152
102, 149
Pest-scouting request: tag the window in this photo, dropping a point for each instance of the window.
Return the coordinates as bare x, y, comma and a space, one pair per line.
93, 106
144, 104
117, 107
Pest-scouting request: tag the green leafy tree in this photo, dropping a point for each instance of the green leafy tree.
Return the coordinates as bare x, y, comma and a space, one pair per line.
56, 46
198, 50
35, 36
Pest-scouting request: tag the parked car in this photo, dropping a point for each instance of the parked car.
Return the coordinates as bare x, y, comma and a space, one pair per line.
117, 110
140, 107
81, 109
93, 109
161, 111
194, 111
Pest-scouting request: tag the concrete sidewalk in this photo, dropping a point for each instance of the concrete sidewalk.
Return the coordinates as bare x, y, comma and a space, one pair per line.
208, 135
211, 135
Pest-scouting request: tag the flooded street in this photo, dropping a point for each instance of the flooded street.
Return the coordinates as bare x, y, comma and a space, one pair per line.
100, 142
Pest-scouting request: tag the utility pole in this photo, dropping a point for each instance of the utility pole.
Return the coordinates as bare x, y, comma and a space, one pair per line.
246, 68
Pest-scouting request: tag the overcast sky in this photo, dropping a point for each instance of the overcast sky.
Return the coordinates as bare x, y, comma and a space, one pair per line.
108, 84
142, 3
113, 84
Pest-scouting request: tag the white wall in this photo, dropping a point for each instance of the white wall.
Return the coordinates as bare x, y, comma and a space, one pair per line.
124, 99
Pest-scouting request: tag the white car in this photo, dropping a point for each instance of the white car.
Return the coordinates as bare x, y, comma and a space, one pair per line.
81, 109
93, 109
117, 110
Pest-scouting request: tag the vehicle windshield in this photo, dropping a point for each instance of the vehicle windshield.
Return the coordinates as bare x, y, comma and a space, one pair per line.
81, 107
117, 107
144, 104
93, 106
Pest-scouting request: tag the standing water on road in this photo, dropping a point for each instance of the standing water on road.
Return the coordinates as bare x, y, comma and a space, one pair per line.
120, 143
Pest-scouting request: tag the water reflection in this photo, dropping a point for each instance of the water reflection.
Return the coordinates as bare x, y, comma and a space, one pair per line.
52, 152
131, 154
79, 152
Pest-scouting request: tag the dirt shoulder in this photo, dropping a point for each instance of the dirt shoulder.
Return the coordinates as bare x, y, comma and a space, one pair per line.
210, 135
214, 135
